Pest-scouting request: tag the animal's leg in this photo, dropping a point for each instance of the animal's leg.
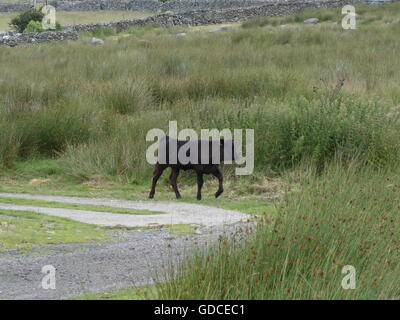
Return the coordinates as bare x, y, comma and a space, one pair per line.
159, 169
173, 180
200, 182
218, 175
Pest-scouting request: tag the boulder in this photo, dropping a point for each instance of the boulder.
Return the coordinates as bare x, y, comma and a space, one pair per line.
311, 21
180, 35
96, 41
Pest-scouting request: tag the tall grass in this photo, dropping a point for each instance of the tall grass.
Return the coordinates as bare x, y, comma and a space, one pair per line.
346, 217
286, 135
122, 153
72, 98
44, 132
9, 146
91, 107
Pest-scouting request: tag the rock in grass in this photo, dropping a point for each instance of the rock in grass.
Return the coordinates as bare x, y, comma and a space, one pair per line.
180, 35
96, 41
311, 21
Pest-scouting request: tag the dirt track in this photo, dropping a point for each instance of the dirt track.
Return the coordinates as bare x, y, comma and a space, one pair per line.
132, 258
174, 212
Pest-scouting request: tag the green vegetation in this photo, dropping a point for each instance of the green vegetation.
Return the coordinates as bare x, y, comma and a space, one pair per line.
346, 217
181, 229
88, 207
33, 26
24, 230
97, 121
28, 18
324, 103
141, 293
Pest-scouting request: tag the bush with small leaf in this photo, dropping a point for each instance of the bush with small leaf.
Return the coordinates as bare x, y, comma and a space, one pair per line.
34, 26
21, 21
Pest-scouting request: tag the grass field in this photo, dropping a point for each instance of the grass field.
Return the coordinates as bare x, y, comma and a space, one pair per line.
154, 81
326, 158
25, 230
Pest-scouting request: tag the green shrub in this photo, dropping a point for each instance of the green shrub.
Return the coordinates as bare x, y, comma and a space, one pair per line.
20, 22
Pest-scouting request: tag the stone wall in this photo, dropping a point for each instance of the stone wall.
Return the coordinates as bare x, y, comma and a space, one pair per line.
13, 39
89, 5
208, 17
11, 7
155, 5
178, 6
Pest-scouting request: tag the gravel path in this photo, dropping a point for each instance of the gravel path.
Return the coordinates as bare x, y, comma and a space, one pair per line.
133, 257
175, 212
